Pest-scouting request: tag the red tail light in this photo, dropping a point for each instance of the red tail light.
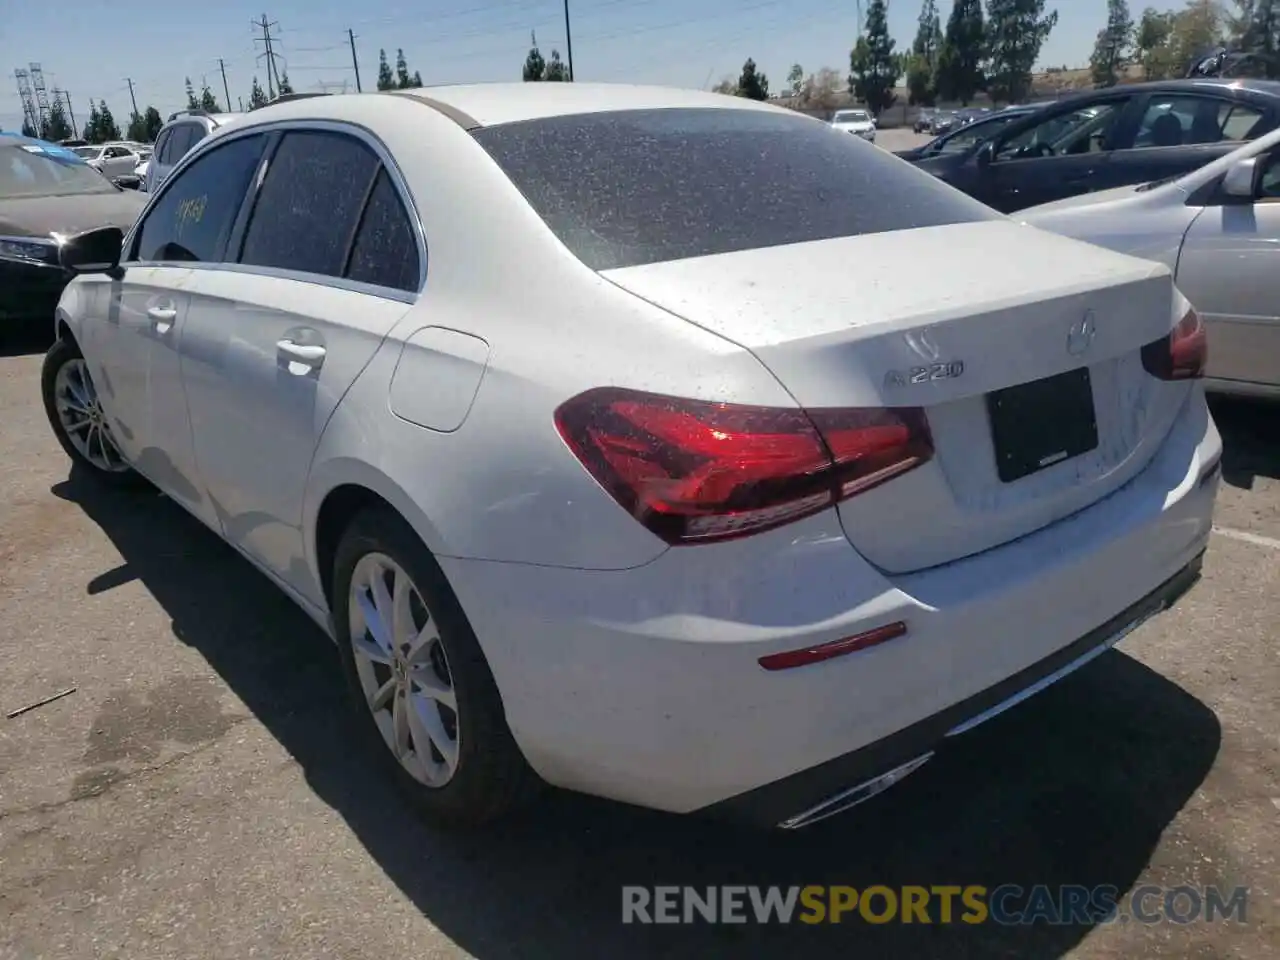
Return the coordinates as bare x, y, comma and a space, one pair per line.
1180, 356
693, 471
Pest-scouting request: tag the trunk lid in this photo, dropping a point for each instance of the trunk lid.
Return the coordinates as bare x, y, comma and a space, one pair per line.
981, 307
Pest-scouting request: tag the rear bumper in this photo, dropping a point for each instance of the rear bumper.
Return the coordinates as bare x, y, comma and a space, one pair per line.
644, 685
839, 784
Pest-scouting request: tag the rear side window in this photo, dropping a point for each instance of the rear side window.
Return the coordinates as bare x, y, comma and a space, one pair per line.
181, 139
192, 219
310, 202
384, 251
633, 187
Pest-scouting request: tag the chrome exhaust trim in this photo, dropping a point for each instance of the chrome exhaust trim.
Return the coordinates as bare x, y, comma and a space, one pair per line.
854, 795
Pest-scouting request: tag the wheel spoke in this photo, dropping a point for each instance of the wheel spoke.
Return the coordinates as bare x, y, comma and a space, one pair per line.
428, 727
420, 646
381, 698
402, 629
376, 627
78, 425
432, 687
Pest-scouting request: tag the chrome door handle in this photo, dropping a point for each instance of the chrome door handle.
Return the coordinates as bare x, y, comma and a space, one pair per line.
162, 318
309, 355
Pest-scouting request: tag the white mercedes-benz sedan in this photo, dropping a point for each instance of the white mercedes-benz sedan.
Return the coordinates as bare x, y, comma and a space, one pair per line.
612, 437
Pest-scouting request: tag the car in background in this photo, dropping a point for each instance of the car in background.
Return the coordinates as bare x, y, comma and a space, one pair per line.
944, 121
47, 192
1110, 138
924, 121
665, 516
183, 131
112, 160
963, 141
859, 122
1218, 229
144, 163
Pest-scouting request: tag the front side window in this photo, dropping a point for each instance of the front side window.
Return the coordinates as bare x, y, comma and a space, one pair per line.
192, 218
631, 187
310, 201
1182, 120
1086, 129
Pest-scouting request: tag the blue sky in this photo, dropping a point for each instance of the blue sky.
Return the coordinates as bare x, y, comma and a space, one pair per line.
89, 48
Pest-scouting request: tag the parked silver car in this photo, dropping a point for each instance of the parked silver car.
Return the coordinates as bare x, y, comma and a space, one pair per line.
1218, 229
184, 130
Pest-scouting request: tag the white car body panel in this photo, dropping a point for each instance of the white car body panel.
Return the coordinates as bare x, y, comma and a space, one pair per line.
627, 667
1223, 255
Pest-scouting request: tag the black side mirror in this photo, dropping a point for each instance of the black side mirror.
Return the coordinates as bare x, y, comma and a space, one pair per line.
95, 251
127, 183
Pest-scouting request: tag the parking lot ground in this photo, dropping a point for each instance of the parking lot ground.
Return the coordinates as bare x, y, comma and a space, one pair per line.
198, 796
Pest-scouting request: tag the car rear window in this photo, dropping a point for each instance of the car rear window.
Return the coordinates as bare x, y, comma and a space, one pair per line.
627, 188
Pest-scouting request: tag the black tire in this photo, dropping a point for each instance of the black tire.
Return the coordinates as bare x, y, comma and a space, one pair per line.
64, 351
492, 777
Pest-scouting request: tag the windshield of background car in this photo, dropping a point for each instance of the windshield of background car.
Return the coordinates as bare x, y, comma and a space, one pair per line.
31, 170
632, 187
971, 135
857, 116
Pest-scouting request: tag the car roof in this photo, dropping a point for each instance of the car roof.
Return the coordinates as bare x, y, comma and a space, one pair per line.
487, 104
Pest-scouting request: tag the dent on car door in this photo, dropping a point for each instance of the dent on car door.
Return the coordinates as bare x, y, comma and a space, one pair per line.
1065, 153
1180, 132
1228, 270
183, 232
271, 348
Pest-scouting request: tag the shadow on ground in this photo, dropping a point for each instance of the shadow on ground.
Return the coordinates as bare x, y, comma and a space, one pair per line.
1250, 438
1074, 787
26, 340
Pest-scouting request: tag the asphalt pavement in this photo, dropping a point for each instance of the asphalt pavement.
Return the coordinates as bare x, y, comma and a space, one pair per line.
199, 796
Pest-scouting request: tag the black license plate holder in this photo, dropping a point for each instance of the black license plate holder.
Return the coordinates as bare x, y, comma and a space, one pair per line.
1042, 423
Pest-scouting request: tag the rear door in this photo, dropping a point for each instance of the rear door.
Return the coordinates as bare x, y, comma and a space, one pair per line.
327, 260
1176, 133
1066, 152
1228, 270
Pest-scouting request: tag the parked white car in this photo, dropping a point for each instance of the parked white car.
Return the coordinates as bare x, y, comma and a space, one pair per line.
859, 122
596, 478
1218, 228
110, 159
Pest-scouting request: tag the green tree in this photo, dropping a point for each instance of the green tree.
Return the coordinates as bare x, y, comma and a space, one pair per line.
873, 66
193, 102
92, 126
151, 124
386, 79
556, 70
1197, 28
727, 85
921, 64
107, 126
960, 59
535, 67
1256, 29
795, 80
208, 102
1111, 49
751, 83
257, 96
403, 80
417, 79
137, 129
285, 85
1152, 43
1016, 30
56, 126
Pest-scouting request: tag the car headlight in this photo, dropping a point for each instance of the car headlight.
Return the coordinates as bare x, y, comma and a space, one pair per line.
29, 250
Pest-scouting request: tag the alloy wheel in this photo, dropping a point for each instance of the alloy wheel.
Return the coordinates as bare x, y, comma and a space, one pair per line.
82, 418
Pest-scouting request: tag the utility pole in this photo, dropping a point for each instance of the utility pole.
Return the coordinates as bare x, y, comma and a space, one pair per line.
355, 63
132, 98
241, 99
272, 80
71, 113
226, 92
568, 39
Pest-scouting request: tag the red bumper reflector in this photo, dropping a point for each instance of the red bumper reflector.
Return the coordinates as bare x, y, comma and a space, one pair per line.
836, 648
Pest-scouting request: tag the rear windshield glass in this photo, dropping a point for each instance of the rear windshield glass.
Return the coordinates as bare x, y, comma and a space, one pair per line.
627, 188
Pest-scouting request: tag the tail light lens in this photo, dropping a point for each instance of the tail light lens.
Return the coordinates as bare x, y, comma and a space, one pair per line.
693, 471
1180, 356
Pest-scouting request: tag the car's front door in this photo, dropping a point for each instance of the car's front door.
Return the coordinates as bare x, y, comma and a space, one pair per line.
1065, 152
1227, 268
329, 263
1180, 132
181, 234
119, 161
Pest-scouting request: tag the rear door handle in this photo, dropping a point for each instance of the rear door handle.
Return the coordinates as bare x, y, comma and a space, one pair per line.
162, 318
310, 356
